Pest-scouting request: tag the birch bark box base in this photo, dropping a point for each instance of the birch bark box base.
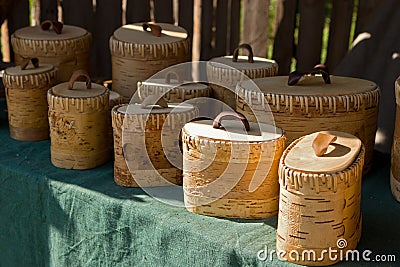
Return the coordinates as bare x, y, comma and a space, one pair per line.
137, 54
68, 51
395, 164
146, 144
231, 173
320, 198
26, 91
346, 105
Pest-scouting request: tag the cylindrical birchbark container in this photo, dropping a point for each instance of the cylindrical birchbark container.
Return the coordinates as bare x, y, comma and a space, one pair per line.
346, 105
395, 164
225, 72
230, 167
137, 54
320, 190
68, 50
26, 87
146, 137
79, 123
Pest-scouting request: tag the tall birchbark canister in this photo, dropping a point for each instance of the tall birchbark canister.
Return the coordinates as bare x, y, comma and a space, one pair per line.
320, 191
230, 167
225, 72
66, 47
142, 49
146, 142
26, 88
395, 164
79, 123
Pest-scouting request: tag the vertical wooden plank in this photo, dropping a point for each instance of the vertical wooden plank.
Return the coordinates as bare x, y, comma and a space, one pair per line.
234, 26
312, 16
365, 10
221, 22
79, 13
196, 46
206, 29
186, 15
339, 32
48, 9
18, 18
285, 22
163, 11
137, 11
256, 25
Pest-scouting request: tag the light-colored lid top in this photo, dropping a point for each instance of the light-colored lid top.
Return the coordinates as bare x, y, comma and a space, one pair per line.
36, 33
175, 84
242, 63
233, 130
114, 95
313, 85
136, 109
17, 71
339, 155
134, 33
79, 90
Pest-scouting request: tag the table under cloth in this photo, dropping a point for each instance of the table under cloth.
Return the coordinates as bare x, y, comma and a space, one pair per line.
56, 217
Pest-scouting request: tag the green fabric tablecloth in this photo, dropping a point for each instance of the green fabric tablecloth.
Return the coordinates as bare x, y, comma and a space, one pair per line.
56, 217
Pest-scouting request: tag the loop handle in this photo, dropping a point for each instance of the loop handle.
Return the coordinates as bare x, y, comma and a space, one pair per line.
56, 25
154, 100
246, 47
155, 29
295, 76
321, 143
223, 114
25, 62
168, 77
76, 75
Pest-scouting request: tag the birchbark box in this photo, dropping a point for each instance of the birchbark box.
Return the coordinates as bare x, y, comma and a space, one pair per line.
225, 72
347, 105
395, 164
146, 142
26, 88
68, 50
79, 123
137, 54
320, 190
231, 171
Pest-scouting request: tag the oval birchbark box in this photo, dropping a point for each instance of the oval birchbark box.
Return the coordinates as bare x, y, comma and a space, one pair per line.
395, 161
79, 124
225, 72
26, 88
231, 172
68, 51
137, 54
320, 196
146, 141
347, 105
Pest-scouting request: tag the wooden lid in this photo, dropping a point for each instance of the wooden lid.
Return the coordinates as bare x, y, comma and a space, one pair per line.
313, 85
339, 154
30, 70
134, 33
114, 95
174, 83
242, 63
173, 108
79, 90
36, 33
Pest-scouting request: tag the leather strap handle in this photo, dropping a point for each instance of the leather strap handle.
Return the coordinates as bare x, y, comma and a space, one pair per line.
154, 100
321, 143
25, 62
224, 114
76, 75
249, 50
295, 76
155, 29
57, 26
169, 74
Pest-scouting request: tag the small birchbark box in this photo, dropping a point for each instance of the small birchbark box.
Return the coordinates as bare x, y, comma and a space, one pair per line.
137, 54
346, 105
64, 46
231, 171
320, 190
225, 72
79, 123
146, 142
395, 164
26, 88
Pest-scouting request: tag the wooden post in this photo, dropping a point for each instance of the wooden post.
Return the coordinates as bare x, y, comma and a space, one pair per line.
365, 9
196, 46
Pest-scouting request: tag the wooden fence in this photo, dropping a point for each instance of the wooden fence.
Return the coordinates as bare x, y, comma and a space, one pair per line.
294, 28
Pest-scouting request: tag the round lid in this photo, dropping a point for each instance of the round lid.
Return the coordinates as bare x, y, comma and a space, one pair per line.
336, 151
134, 33
175, 84
29, 70
114, 95
312, 85
79, 90
242, 63
36, 33
137, 109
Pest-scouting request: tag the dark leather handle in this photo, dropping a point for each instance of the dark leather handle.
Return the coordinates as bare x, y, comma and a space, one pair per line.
249, 50
76, 75
56, 25
154, 28
154, 100
223, 114
25, 62
169, 74
295, 76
